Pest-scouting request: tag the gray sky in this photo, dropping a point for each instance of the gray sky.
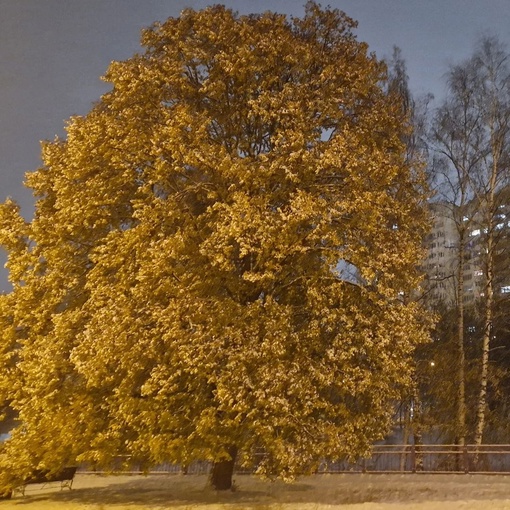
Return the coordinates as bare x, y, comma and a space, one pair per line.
52, 53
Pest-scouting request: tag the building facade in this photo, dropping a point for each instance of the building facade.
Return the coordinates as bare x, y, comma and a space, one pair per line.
442, 254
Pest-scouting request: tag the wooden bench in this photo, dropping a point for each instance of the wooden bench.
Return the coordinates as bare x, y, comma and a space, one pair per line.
65, 477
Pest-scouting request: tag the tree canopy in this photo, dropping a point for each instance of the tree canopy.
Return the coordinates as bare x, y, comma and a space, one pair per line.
218, 255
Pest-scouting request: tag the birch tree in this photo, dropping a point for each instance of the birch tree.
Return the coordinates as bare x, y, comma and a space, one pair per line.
493, 101
178, 296
470, 135
456, 136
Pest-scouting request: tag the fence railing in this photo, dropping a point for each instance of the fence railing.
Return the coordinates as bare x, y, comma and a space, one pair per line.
429, 458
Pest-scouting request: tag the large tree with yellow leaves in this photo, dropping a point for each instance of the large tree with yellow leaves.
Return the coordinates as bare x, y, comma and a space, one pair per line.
218, 256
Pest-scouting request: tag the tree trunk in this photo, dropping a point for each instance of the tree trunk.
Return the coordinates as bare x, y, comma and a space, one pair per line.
460, 428
461, 391
489, 303
498, 137
487, 332
222, 471
417, 433
405, 439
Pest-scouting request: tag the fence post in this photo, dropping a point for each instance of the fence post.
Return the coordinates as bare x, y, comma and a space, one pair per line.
466, 459
413, 458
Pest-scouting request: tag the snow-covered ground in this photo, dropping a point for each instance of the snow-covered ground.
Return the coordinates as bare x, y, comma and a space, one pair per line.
347, 491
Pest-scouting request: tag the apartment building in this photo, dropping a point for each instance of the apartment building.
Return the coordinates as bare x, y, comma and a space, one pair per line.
442, 257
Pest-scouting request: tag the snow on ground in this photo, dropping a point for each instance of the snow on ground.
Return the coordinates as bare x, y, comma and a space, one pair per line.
322, 492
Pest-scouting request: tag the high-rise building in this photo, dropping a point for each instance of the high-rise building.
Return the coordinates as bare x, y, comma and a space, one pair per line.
442, 252
441, 256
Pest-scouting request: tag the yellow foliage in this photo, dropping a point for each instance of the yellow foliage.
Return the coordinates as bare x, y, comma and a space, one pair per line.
181, 289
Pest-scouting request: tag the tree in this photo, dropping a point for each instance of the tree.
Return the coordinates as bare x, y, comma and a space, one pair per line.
179, 294
493, 102
416, 149
456, 136
471, 132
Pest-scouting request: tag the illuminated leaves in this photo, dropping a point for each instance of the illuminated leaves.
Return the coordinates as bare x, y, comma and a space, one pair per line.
179, 277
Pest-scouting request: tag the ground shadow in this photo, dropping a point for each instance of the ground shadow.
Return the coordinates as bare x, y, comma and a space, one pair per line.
253, 493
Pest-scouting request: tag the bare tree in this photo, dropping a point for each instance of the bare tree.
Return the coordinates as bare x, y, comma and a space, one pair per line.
470, 137
492, 100
455, 138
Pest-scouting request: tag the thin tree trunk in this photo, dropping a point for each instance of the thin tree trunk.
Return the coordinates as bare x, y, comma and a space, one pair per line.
222, 471
417, 433
487, 332
461, 391
460, 439
489, 307
405, 438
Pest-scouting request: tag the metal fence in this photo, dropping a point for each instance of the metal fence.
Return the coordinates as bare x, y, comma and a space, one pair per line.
486, 459
445, 458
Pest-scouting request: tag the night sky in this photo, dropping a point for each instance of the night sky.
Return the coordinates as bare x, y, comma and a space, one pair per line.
53, 52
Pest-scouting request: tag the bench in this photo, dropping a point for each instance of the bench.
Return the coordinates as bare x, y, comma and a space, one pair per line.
44, 477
